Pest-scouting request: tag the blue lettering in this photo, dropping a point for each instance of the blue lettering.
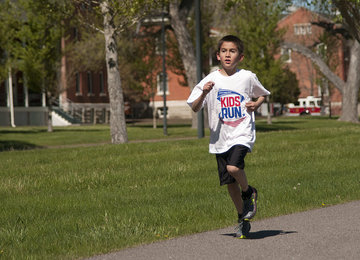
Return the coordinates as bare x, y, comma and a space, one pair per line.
231, 115
237, 112
230, 112
224, 112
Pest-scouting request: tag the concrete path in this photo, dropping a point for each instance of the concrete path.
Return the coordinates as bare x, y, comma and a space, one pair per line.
326, 233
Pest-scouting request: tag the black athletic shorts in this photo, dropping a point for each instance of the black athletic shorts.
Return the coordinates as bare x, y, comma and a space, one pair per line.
234, 156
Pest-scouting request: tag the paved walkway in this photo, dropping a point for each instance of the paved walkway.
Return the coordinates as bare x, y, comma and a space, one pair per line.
326, 233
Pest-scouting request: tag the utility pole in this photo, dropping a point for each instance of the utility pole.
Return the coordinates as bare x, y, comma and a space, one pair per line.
200, 115
164, 76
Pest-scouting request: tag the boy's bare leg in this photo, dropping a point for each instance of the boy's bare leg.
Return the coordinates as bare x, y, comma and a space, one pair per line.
235, 194
239, 175
250, 203
234, 189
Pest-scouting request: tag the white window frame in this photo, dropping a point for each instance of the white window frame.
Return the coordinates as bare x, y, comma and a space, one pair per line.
101, 83
78, 84
302, 29
286, 52
159, 45
159, 90
90, 87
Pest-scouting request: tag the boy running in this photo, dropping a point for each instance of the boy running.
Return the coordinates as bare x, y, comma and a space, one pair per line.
228, 93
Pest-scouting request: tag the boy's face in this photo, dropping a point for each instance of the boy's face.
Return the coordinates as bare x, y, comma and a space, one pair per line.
229, 56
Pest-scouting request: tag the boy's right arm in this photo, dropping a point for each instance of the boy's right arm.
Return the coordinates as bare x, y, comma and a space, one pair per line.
197, 104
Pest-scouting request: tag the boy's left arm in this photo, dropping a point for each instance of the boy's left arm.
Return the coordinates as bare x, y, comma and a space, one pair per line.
254, 105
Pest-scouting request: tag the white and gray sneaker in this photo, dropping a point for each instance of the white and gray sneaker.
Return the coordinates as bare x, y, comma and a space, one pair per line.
242, 229
250, 205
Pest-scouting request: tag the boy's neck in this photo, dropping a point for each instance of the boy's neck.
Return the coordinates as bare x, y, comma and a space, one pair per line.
228, 73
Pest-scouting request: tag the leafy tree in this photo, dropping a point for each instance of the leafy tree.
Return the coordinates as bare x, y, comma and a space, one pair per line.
137, 57
78, 49
111, 17
144, 69
34, 30
140, 61
346, 24
285, 89
255, 22
4, 40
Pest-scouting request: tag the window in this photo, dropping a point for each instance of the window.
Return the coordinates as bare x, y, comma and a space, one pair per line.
77, 83
160, 85
159, 45
101, 80
302, 29
89, 82
323, 88
321, 49
285, 55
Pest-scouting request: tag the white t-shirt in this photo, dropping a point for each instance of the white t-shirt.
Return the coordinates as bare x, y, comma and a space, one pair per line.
229, 121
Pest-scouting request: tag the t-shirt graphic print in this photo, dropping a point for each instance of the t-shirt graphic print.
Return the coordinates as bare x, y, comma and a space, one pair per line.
231, 107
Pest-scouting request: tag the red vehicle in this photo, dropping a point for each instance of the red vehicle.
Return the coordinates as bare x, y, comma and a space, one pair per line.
305, 106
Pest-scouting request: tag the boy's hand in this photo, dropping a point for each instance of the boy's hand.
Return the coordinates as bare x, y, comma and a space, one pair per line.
208, 87
254, 105
251, 106
196, 105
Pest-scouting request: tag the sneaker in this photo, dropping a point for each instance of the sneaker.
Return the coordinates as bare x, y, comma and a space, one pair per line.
242, 229
250, 205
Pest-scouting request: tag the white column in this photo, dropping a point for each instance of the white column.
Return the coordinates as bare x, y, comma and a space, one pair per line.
43, 99
11, 101
26, 92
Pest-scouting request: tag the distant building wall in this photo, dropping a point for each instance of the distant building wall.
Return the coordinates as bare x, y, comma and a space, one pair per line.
23, 116
176, 97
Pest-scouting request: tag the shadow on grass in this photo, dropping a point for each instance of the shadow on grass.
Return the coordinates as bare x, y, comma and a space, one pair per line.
276, 126
159, 126
262, 127
264, 234
36, 131
16, 145
32, 131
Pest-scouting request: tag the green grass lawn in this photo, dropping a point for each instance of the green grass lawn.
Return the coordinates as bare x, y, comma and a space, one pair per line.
67, 203
22, 138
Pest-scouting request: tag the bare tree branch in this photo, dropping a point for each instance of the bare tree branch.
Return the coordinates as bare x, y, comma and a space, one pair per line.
91, 26
316, 59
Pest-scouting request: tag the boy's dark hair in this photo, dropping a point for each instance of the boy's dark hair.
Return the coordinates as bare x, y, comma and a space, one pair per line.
232, 38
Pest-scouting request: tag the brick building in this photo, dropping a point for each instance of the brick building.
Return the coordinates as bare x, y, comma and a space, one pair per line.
300, 29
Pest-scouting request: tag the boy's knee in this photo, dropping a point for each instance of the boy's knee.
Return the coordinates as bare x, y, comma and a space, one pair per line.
233, 170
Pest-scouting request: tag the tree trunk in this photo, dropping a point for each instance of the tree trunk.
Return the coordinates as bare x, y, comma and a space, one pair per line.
117, 110
269, 120
50, 128
154, 111
186, 48
351, 90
